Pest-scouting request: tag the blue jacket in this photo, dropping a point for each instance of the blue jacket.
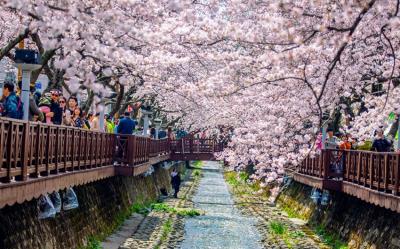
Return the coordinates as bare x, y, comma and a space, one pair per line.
126, 126
11, 107
162, 134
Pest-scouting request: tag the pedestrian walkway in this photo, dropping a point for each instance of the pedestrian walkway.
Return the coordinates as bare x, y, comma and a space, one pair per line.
222, 226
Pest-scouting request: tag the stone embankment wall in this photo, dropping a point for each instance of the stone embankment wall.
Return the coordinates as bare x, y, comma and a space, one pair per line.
358, 223
101, 205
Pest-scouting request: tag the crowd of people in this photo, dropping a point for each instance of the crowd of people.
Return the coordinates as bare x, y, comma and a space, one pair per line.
345, 141
54, 108
342, 142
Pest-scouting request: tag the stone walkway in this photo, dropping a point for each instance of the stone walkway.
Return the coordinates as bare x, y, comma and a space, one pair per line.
223, 225
127, 229
149, 234
295, 233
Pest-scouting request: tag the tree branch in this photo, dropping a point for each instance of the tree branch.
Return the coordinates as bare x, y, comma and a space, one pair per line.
12, 43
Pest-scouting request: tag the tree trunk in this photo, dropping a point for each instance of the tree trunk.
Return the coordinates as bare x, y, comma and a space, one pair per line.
118, 102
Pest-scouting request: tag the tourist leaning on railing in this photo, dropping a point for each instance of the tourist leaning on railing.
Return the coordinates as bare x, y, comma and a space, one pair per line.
126, 125
381, 144
34, 112
109, 124
77, 118
55, 107
331, 142
67, 114
345, 144
12, 105
94, 122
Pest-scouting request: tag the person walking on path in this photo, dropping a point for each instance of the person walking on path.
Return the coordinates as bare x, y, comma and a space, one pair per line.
12, 103
175, 181
126, 125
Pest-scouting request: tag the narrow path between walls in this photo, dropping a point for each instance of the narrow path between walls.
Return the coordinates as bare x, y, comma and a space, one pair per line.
222, 225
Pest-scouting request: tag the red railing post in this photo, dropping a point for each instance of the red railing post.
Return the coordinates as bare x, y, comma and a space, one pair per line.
320, 164
326, 163
57, 144
191, 144
386, 173
371, 170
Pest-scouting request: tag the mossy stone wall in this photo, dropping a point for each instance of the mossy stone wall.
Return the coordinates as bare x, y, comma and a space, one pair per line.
101, 206
360, 224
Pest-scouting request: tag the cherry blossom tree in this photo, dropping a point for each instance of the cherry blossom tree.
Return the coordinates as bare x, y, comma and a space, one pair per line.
271, 70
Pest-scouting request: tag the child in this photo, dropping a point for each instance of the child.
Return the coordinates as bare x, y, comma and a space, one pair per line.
44, 106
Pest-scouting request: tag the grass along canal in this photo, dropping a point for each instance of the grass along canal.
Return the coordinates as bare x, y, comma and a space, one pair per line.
219, 210
278, 228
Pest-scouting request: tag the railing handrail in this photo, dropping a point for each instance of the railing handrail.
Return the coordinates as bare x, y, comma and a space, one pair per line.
365, 151
377, 171
33, 149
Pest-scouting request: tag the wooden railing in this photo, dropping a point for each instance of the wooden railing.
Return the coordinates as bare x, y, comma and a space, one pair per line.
31, 150
374, 170
328, 164
159, 147
37, 158
371, 176
190, 145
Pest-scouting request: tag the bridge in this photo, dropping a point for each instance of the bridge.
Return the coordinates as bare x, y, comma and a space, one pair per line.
37, 158
369, 176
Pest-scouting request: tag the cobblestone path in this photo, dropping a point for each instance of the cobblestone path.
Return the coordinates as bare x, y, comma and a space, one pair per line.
223, 225
149, 233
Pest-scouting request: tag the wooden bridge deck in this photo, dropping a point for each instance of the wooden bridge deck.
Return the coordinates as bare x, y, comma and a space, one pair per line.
369, 176
38, 158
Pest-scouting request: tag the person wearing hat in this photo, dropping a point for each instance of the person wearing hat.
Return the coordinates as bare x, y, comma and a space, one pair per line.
56, 111
380, 144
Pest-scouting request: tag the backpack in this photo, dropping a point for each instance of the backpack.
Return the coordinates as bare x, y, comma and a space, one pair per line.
45, 101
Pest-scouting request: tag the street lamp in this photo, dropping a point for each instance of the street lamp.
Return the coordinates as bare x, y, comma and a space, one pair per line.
146, 111
157, 123
27, 61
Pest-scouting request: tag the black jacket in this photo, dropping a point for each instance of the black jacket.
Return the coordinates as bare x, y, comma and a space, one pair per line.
176, 181
381, 145
58, 113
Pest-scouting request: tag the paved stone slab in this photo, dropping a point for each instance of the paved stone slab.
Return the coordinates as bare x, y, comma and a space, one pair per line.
126, 230
222, 226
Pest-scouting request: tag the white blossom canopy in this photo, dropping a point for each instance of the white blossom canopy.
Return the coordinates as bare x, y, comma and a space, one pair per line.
270, 70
